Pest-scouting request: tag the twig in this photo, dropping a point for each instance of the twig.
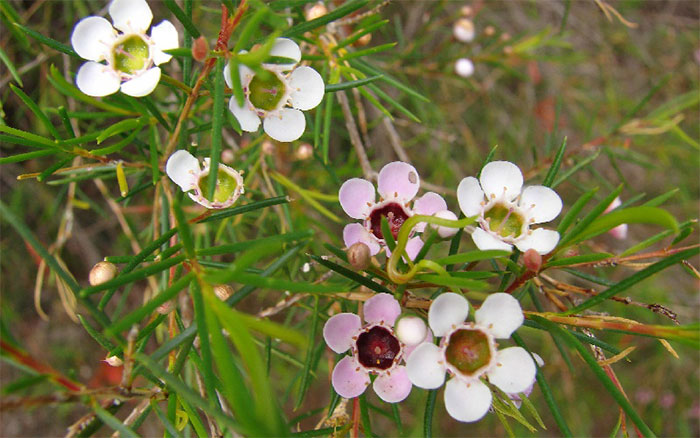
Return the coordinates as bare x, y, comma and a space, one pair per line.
355, 136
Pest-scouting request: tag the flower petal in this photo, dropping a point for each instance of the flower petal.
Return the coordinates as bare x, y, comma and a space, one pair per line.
165, 37
131, 16
411, 330
413, 247
470, 196
446, 232
244, 72
409, 349
425, 366
382, 308
398, 180
183, 168
142, 84
356, 197
339, 330
500, 314
514, 371
285, 125
247, 118
541, 240
467, 402
485, 241
307, 88
428, 204
542, 203
93, 38
97, 80
447, 310
394, 387
501, 178
349, 378
353, 233
284, 48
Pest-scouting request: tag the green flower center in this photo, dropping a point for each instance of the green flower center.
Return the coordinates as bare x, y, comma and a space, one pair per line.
504, 221
266, 93
225, 186
131, 55
468, 350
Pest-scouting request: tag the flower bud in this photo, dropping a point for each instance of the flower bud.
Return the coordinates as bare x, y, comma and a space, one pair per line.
446, 232
364, 40
489, 31
463, 30
359, 256
227, 156
411, 330
268, 147
315, 11
114, 361
304, 152
102, 272
223, 291
466, 11
165, 308
200, 49
464, 67
532, 260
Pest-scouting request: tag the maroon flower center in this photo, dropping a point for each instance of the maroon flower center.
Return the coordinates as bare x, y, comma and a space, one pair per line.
468, 350
395, 216
377, 348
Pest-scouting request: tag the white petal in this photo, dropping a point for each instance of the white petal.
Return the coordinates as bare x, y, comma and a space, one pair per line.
183, 169
131, 15
307, 88
501, 178
142, 84
541, 240
247, 118
470, 196
447, 310
485, 241
500, 314
542, 203
93, 38
425, 366
514, 370
411, 330
394, 387
285, 125
285, 48
446, 232
467, 402
96, 79
165, 37
244, 72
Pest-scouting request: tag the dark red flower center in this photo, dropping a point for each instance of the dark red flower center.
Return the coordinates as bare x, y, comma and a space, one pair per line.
468, 350
377, 348
395, 216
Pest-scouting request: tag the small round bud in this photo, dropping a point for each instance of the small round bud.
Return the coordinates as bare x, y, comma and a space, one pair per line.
200, 49
464, 67
489, 31
315, 11
304, 152
227, 156
364, 40
165, 308
223, 291
532, 260
102, 273
466, 11
268, 147
446, 232
463, 30
505, 36
114, 361
359, 256
508, 50
411, 330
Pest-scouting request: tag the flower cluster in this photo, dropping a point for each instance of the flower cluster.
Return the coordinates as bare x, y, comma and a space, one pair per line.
397, 184
267, 96
131, 57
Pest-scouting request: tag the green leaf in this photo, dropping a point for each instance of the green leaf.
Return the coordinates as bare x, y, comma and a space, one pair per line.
182, 18
37, 111
588, 219
632, 215
48, 41
330, 88
217, 121
118, 128
352, 275
306, 373
340, 12
428, 414
586, 258
554, 167
575, 209
111, 421
367, 52
472, 256
137, 275
246, 208
452, 281
359, 34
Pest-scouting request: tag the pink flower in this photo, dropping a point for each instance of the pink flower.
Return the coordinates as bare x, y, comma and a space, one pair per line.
620, 231
397, 185
375, 350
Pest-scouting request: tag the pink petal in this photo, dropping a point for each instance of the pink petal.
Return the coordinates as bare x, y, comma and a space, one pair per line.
394, 387
349, 378
428, 204
357, 196
340, 329
382, 308
398, 180
353, 233
413, 247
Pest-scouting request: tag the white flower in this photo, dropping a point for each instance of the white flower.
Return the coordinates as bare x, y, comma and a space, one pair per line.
464, 67
505, 210
468, 352
463, 30
301, 88
130, 54
184, 170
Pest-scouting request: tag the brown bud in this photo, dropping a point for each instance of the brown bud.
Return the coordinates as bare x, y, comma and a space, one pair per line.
489, 31
223, 291
101, 273
200, 49
508, 50
268, 147
359, 256
304, 152
364, 40
113, 361
315, 11
532, 260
